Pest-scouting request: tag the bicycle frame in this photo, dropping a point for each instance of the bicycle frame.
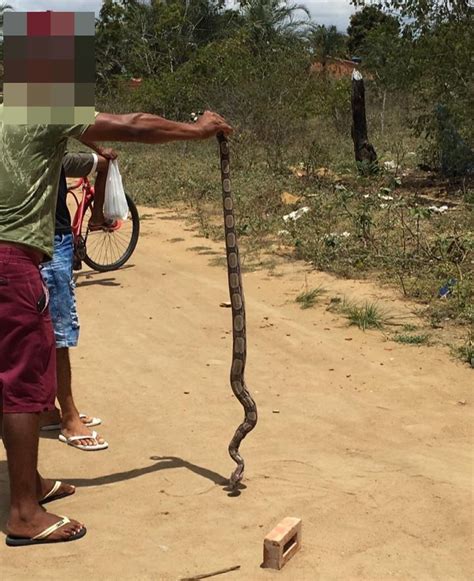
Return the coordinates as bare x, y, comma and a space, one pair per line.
87, 194
108, 241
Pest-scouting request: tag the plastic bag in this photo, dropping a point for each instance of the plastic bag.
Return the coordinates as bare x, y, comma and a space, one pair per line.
115, 204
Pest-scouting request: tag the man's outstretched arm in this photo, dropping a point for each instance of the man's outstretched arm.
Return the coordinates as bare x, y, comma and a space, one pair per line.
145, 128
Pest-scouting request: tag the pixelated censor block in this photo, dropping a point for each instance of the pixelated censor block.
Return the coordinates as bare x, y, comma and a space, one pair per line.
49, 68
282, 543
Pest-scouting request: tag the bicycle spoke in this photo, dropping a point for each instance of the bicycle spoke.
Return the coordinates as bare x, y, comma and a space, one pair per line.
108, 248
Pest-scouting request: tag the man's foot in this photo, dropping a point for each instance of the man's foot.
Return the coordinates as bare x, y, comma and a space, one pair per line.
105, 225
50, 421
28, 526
76, 433
50, 490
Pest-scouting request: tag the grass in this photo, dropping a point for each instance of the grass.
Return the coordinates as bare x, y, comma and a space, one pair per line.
466, 352
365, 316
357, 227
309, 298
411, 339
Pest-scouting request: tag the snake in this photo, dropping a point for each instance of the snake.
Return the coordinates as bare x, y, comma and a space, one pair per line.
239, 330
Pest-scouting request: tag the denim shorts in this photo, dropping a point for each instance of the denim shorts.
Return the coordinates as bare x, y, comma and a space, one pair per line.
57, 274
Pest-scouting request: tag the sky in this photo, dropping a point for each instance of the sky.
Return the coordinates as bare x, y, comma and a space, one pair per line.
325, 12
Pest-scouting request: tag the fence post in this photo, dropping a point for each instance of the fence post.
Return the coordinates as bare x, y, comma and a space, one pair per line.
365, 154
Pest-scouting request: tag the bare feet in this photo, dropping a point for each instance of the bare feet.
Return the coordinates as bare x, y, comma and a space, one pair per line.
28, 525
54, 417
104, 225
74, 426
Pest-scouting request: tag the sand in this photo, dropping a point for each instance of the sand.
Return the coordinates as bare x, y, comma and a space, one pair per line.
367, 440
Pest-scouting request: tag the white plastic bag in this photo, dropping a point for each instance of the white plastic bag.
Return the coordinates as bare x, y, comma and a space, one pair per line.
115, 204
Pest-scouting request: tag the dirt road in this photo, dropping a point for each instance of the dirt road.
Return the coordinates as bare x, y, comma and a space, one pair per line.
366, 440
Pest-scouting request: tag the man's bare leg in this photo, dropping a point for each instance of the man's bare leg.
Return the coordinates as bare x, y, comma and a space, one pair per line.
26, 517
71, 423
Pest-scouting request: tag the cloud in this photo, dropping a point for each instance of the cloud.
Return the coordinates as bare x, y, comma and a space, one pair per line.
329, 12
61, 5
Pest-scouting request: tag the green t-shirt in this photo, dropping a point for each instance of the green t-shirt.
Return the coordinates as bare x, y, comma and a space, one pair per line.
30, 165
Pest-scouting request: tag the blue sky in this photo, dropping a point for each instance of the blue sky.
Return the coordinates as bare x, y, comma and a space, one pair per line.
323, 11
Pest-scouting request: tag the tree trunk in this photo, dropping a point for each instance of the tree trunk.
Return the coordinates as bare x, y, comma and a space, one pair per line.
364, 151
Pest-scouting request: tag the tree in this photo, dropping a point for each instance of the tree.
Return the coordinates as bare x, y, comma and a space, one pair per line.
3, 8
267, 19
137, 38
436, 70
362, 23
327, 42
423, 14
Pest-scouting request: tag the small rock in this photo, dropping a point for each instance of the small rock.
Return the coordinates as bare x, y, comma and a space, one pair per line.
275, 411
462, 402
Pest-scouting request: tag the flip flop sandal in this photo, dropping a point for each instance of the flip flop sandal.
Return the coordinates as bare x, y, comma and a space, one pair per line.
42, 538
94, 448
51, 495
53, 427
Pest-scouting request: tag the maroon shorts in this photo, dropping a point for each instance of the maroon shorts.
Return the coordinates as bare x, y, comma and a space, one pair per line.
27, 345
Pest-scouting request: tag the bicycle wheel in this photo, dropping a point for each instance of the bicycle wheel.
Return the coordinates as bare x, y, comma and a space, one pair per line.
109, 250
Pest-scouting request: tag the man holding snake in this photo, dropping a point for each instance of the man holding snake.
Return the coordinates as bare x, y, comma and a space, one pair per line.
30, 164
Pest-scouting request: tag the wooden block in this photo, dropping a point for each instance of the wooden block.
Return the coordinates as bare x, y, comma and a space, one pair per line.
282, 543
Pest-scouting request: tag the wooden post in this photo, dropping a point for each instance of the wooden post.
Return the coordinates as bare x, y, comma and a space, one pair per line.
364, 151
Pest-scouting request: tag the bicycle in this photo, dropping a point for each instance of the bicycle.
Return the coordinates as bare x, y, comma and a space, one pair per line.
105, 249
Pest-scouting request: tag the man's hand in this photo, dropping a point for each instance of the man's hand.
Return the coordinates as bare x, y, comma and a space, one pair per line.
107, 152
210, 124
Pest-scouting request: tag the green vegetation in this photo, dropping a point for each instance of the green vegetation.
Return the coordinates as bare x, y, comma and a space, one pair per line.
410, 225
411, 339
466, 351
368, 315
365, 316
310, 297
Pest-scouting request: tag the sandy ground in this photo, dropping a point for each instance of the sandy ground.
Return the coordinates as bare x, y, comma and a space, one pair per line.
366, 440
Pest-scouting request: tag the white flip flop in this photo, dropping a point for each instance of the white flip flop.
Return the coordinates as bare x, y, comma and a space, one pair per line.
54, 427
94, 448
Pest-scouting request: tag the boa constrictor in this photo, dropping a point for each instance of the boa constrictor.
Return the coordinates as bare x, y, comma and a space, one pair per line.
239, 334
